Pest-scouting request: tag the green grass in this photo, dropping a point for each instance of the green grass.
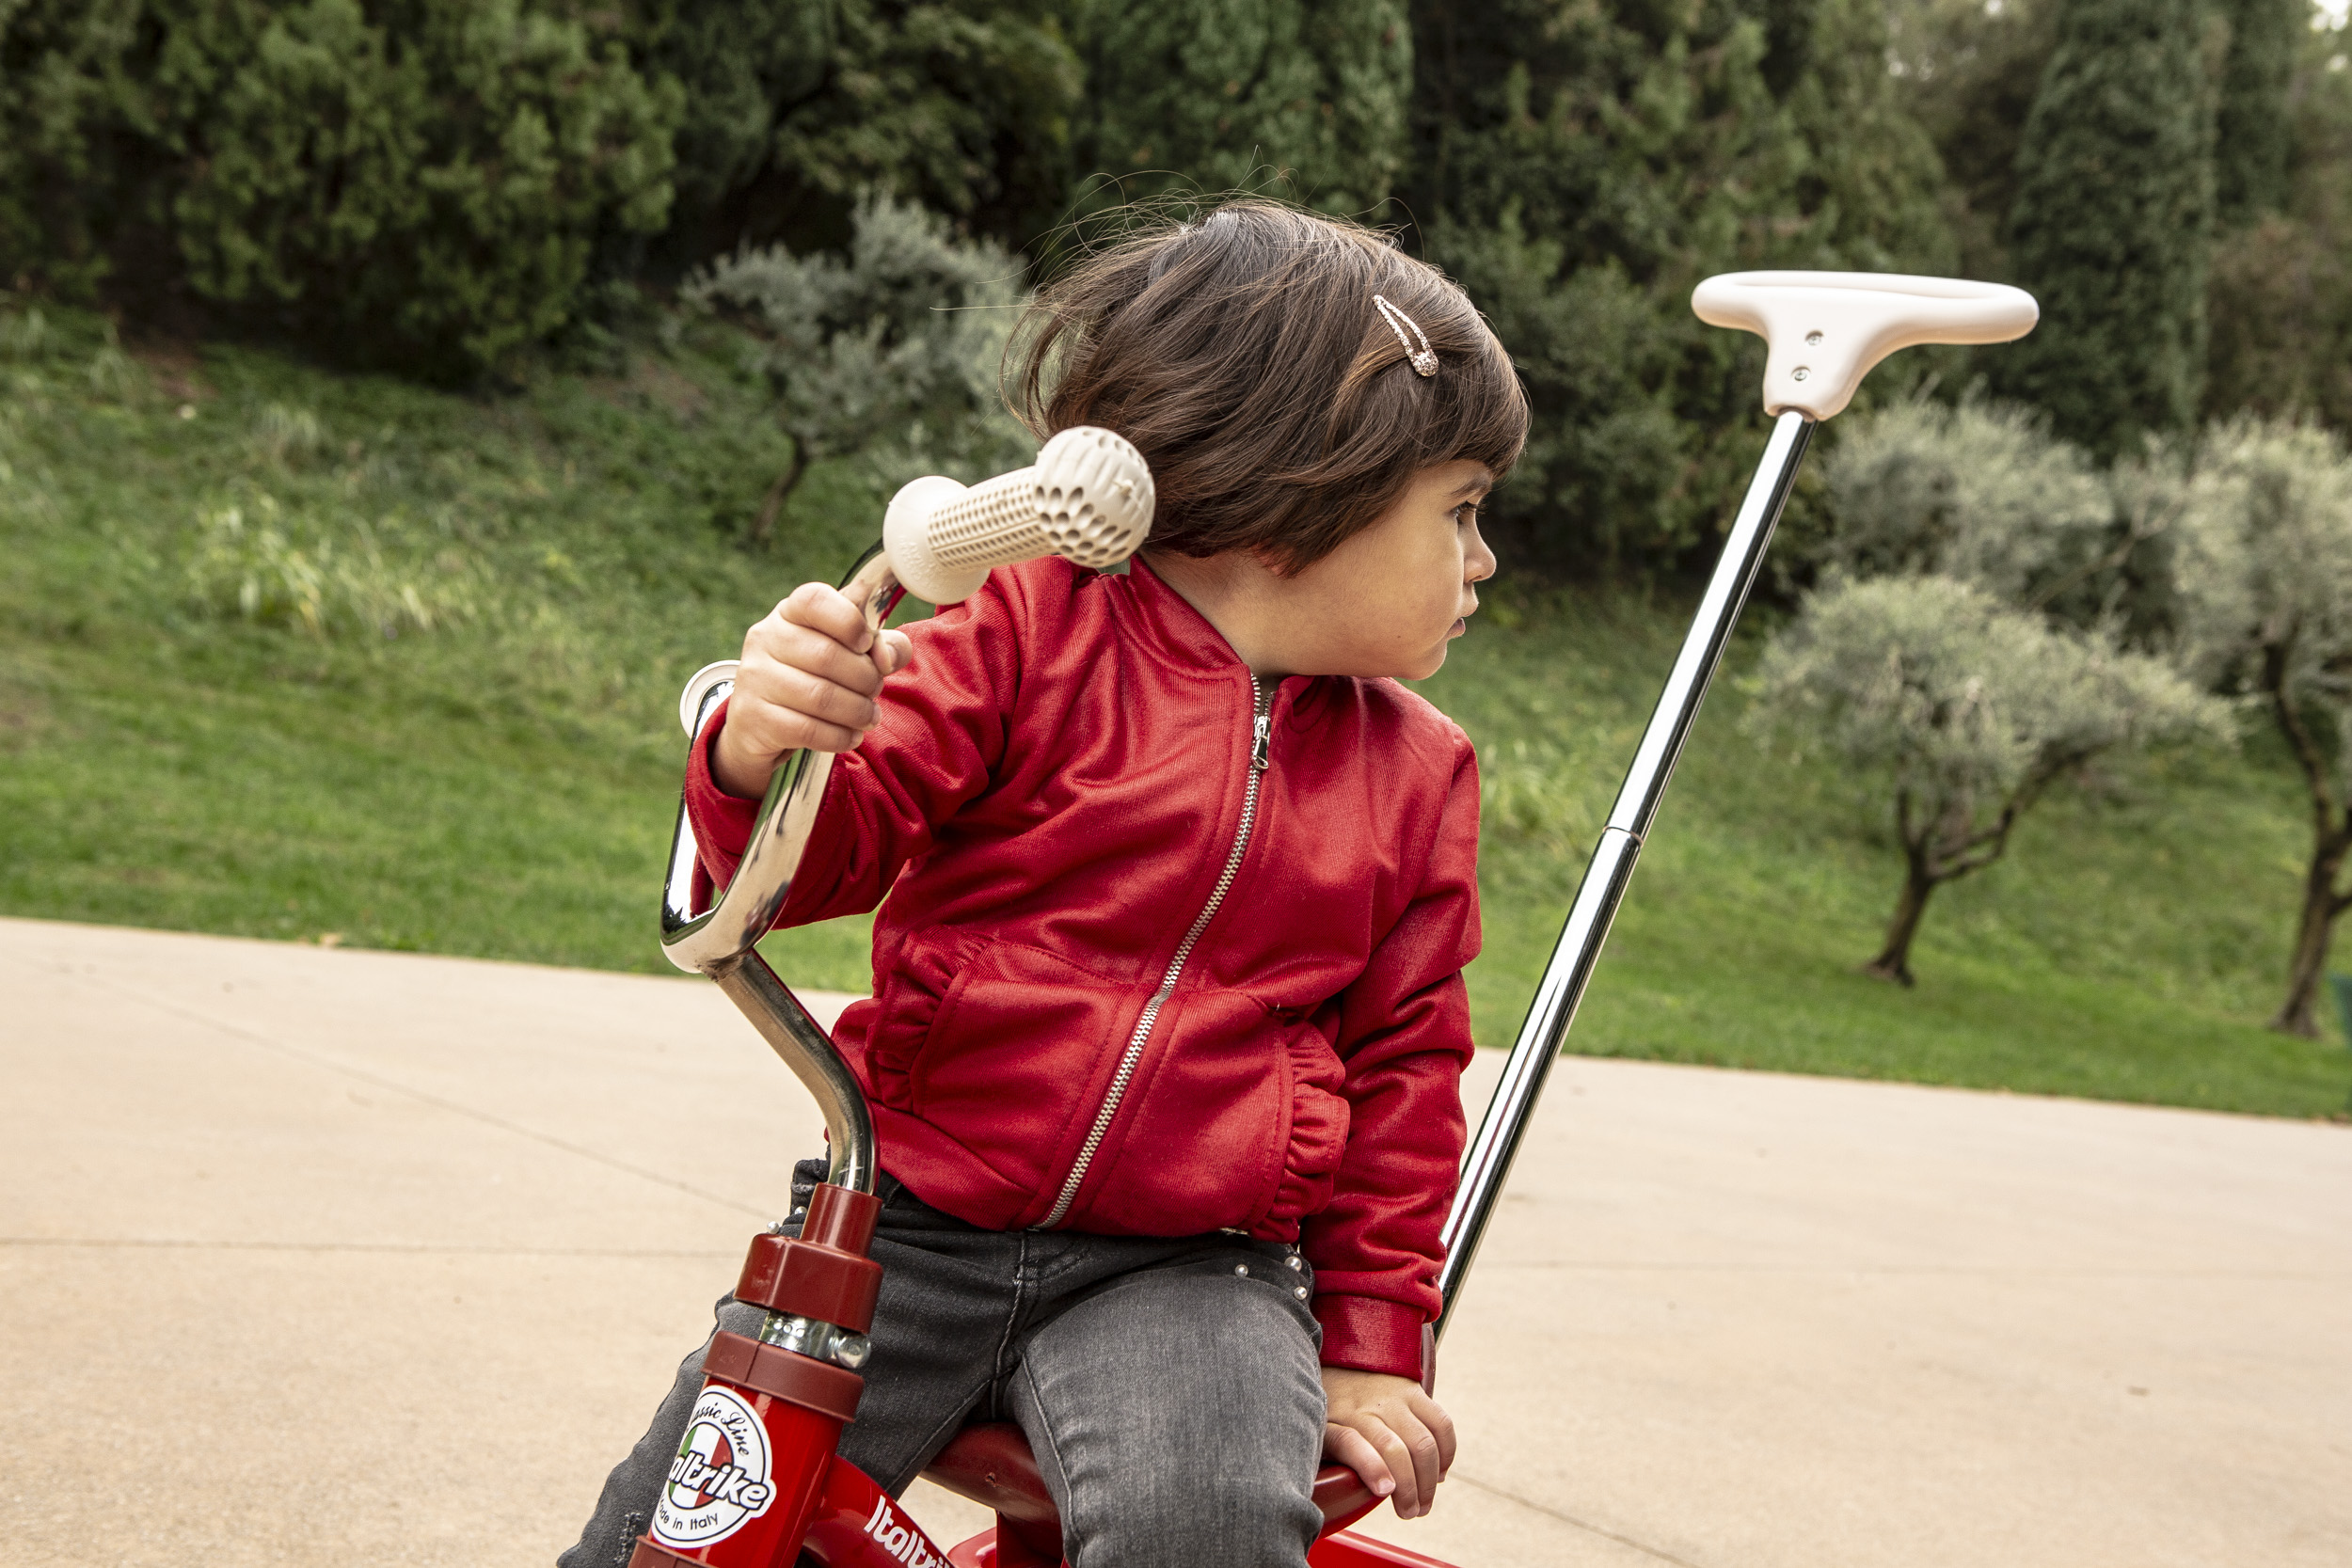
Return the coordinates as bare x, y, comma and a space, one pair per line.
502, 785
2127, 948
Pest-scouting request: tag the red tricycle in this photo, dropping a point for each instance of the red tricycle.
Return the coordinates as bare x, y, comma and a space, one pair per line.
757, 1483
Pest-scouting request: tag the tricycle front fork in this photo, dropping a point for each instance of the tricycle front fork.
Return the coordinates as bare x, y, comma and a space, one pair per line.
757, 1463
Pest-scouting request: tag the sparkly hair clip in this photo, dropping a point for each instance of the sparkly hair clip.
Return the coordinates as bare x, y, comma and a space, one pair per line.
1424, 362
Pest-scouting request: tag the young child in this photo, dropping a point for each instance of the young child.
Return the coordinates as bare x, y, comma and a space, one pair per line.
1168, 1015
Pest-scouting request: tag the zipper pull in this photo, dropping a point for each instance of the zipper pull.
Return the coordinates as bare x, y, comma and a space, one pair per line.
1263, 733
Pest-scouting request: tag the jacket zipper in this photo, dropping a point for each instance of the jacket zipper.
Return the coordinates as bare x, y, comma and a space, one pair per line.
1260, 743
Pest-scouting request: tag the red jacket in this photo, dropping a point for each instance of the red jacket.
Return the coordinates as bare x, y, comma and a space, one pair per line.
1133, 978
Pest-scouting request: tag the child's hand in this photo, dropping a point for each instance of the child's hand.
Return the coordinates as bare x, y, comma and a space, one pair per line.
1389, 1432
808, 678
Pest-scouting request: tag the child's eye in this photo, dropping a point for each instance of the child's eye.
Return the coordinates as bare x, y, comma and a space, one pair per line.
1466, 514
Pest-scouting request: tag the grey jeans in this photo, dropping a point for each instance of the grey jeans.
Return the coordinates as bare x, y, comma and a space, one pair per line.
1169, 1386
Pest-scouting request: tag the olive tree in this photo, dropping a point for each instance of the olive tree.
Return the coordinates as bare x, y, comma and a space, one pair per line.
2264, 572
890, 347
1984, 493
1965, 709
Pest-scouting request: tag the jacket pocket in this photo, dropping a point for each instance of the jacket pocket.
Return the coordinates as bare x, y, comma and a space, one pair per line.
1015, 1057
1232, 1118
919, 985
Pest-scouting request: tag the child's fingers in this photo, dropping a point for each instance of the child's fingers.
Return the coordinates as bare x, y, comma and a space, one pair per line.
1405, 1432
755, 739
759, 732
775, 646
1344, 1444
1432, 1414
1408, 1457
808, 678
806, 694
828, 610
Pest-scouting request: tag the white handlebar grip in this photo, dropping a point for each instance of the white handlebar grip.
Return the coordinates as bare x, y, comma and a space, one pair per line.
1087, 499
1828, 329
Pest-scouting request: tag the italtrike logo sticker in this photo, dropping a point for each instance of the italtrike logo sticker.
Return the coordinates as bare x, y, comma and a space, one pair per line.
719, 1480
902, 1541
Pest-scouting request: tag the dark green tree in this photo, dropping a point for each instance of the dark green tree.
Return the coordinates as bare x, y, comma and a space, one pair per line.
431, 183
741, 66
795, 107
416, 182
1580, 167
2281, 297
2255, 131
2112, 224
1301, 98
1969, 72
62, 182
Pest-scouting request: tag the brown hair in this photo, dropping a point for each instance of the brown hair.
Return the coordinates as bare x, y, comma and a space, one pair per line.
1243, 355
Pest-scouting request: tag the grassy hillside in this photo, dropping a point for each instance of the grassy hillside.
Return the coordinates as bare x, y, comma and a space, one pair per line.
307, 656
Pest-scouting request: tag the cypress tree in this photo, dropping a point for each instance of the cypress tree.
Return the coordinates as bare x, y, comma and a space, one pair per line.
1581, 164
2256, 132
2112, 224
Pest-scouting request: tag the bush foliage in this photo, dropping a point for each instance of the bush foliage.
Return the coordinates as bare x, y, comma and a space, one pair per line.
1580, 166
795, 108
414, 181
1308, 96
890, 352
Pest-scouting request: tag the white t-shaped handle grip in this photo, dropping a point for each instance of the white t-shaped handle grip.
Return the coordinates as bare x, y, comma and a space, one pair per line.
1826, 330
1087, 499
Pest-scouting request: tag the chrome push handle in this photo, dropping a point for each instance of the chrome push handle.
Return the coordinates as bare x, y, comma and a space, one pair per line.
1087, 499
1826, 331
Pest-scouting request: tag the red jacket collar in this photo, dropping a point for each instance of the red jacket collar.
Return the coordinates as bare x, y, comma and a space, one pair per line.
1168, 622
1184, 636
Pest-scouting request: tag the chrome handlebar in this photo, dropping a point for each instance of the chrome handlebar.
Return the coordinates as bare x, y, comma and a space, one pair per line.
722, 940
1088, 497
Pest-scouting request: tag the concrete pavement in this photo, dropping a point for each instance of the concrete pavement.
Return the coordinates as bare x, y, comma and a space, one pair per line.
315, 1257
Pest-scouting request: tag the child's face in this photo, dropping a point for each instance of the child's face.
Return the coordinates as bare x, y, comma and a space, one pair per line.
1389, 600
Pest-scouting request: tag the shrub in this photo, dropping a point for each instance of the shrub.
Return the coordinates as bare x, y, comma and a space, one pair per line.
415, 182
1981, 493
892, 350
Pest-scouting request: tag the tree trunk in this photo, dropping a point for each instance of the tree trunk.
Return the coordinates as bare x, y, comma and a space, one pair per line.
1894, 959
2321, 905
778, 495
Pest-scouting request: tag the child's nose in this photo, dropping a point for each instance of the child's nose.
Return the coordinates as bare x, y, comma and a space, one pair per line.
1478, 561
